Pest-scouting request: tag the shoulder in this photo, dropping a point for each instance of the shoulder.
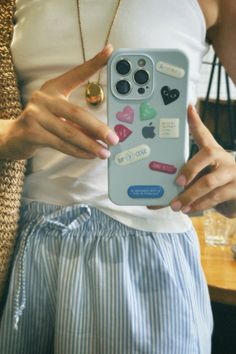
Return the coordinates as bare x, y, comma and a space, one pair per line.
221, 30
218, 12
224, 18
210, 9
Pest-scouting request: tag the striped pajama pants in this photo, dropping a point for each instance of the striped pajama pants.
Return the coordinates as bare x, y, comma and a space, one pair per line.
82, 283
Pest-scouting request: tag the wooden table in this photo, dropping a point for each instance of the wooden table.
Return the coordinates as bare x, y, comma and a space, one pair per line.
219, 267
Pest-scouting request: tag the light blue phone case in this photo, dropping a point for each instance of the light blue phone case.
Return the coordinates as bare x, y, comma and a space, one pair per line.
147, 107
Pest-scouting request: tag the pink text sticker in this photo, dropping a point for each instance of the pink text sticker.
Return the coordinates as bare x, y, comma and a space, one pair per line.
162, 167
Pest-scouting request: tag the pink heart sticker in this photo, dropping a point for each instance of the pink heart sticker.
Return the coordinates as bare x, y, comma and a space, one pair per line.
122, 132
127, 115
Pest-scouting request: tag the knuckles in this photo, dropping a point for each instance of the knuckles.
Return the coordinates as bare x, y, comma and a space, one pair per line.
31, 111
49, 86
101, 130
210, 181
216, 197
74, 110
70, 133
210, 152
37, 97
28, 122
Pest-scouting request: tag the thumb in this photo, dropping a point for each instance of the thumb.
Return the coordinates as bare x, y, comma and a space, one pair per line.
199, 131
67, 82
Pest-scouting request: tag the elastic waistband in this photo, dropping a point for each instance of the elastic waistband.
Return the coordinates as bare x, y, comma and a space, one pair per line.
70, 216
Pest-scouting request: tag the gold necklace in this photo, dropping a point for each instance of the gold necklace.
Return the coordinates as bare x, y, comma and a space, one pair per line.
94, 92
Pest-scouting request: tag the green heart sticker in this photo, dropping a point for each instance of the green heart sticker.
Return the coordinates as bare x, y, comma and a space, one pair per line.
147, 112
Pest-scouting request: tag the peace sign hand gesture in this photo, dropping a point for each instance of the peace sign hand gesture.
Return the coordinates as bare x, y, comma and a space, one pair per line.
44, 121
209, 177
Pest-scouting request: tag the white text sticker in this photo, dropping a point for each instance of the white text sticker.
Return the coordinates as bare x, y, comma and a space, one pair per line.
169, 128
137, 153
170, 70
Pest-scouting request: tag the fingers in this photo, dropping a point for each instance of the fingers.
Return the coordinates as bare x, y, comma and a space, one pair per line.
208, 176
207, 186
199, 131
70, 80
155, 207
94, 127
50, 140
41, 125
219, 196
85, 132
204, 158
68, 134
29, 134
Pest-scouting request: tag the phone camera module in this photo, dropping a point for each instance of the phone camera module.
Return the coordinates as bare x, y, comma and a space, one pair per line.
141, 77
123, 87
141, 62
141, 90
123, 67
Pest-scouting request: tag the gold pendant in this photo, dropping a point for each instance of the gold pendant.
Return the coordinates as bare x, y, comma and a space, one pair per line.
94, 94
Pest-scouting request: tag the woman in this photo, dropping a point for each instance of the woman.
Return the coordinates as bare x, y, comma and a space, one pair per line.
89, 276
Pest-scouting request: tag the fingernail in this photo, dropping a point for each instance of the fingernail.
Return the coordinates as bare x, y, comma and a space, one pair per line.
112, 138
186, 209
104, 153
181, 180
193, 108
176, 206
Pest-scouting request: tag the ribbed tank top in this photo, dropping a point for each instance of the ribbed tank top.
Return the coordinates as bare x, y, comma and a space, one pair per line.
46, 43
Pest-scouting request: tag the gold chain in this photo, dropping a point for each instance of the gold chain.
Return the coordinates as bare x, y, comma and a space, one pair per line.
108, 33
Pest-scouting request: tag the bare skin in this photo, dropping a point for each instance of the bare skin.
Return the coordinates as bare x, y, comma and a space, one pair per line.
220, 16
209, 177
79, 132
217, 188
40, 125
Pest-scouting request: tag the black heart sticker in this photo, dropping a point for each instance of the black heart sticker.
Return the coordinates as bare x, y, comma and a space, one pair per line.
169, 95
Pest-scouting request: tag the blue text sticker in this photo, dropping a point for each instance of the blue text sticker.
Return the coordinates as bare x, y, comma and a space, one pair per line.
145, 191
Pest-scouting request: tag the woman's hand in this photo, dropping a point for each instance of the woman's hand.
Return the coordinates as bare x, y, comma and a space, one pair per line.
209, 177
50, 120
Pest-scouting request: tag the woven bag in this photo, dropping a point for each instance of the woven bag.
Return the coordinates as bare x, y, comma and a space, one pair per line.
11, 172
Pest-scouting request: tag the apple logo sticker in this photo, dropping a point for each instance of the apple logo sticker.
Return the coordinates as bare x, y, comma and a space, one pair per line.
148, 131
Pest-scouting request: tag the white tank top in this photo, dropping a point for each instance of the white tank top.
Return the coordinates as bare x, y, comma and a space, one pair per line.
46, 43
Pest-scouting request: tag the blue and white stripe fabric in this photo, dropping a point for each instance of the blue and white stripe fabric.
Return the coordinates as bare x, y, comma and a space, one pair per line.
82, 283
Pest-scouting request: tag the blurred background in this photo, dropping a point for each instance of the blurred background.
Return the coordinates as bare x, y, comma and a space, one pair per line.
217, 101
217, 108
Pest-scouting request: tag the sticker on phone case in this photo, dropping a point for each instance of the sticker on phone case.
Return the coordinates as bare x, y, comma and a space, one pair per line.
147, 111
141, 191
148, 131
169, 128
126, 116
170, 70
162, 167
169, 95
137, 153
123, 132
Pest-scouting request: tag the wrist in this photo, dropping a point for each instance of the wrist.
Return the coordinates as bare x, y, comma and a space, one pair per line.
5, 137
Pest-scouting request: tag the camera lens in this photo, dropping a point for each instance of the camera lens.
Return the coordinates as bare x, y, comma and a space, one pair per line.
141, 77
123, 67
123, 87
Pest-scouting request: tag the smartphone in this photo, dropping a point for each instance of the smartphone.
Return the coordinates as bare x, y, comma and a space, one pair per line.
147, 108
